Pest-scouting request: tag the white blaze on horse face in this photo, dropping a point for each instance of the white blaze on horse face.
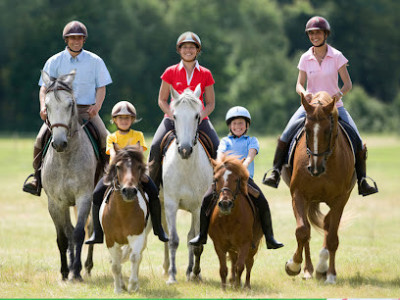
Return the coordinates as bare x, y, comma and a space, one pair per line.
316, 130
226, 175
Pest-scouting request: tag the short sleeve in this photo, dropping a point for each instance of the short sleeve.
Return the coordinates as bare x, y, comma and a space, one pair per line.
111, 138
254, 144
209, 80
103, 77
167, 75
341, 60
223, 146
302, 63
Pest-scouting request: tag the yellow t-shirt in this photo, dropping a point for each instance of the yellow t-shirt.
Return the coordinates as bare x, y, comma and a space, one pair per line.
123, 140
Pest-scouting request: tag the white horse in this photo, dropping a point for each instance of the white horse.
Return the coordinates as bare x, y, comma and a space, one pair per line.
68, 173
187, 174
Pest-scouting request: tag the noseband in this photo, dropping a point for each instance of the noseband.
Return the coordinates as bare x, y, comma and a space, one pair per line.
234, 194
328, 151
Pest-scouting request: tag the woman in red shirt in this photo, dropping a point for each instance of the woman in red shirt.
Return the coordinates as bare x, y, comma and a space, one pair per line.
186, 74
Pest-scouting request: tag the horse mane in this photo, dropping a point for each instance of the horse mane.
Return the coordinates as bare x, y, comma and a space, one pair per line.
133, 153
187, 97
234, 164
321, 100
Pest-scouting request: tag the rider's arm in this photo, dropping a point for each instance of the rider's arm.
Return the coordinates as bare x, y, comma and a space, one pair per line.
209, 99
42, 97
347, 84
301, 81
100, 95
250, 157
163, 97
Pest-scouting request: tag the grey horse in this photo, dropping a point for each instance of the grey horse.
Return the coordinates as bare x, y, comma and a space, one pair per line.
68, 172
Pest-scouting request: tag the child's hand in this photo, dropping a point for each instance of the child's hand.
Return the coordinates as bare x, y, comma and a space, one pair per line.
43, 114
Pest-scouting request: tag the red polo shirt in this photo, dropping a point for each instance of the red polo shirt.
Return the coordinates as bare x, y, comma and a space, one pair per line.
177, 77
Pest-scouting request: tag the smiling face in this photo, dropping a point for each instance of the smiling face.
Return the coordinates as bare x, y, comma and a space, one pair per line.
123, 122
238, 126
317, 37
75, 42
188, 51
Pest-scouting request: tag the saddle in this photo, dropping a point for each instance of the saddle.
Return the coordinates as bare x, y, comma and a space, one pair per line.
351, 135
204, 140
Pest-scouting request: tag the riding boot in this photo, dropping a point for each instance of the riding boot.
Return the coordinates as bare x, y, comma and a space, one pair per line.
155, 210
361, 166
35, 185
201, 239
280, 155
266, 223
97, 236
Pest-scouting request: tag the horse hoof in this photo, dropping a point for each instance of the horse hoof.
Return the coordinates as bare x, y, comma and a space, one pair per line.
133, 288
291, 272
307, 275
194, 277
330, 279
320, 275
171, 281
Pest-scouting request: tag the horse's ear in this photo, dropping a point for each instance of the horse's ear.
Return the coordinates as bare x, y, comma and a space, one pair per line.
329, 107
68, 78
110, 174
197, 91
305, 103
46, 78
214, 163
174, 94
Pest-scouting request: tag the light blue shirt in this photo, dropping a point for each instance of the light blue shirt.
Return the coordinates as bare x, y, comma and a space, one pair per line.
91, 73
240, 146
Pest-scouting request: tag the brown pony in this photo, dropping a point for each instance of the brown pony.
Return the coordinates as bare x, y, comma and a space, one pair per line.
323, 171
124, 215
234, 226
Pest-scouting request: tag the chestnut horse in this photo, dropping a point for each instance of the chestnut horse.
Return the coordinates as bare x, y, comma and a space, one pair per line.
323, 171
124, 215
235, 227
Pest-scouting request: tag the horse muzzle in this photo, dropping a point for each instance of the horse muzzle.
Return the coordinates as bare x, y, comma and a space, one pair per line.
185, 151
225, 206
129, 193
316, 170
59, 144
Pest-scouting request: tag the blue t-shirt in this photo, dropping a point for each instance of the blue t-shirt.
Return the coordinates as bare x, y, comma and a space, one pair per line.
240, 146
91, 73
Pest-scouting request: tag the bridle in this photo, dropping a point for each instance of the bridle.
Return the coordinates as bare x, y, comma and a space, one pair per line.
226, 189
196, 136
331, 145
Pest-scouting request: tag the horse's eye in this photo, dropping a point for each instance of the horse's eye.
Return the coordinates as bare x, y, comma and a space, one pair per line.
197, 116
174, 117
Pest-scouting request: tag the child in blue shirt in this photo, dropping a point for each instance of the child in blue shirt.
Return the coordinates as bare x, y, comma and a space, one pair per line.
238, 143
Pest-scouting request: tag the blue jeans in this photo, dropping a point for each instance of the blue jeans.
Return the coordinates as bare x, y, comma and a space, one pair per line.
299, 116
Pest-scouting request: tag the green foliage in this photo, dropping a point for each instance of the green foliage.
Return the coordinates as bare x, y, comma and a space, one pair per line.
251, 47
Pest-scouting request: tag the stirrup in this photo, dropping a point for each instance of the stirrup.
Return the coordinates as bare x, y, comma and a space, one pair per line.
365, 179
33, 191
264, 180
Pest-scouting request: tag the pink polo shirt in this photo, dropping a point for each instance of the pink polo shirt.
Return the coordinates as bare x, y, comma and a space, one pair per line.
323, 77
177, 76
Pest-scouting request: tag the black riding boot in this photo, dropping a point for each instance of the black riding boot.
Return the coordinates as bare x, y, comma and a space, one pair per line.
97, 236
155, 169
34, 186
155, 208
201, 239
266, 222
280, 155
361, 166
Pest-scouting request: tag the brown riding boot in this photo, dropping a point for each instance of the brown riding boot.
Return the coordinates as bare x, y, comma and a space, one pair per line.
361, 169
280, 155
35, 186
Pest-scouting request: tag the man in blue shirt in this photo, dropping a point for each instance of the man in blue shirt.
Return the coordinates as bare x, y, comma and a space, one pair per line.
239, 143
89, 89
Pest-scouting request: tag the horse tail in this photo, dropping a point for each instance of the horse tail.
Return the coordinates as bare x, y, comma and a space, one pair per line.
315, 216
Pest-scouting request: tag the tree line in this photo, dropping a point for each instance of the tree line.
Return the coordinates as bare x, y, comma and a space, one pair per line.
252, 48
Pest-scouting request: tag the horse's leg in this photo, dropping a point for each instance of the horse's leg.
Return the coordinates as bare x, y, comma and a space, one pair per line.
166, 258
62, 238
303, 231
83, 205
332, 239
322, 266
116, 259
89, 260
190, 235
233, 256
171, 209
308, 266
197, 250
243, 252
137, 244
249, 266
223, 269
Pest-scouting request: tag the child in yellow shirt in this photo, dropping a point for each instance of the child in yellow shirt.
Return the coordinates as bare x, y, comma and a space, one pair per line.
124, 115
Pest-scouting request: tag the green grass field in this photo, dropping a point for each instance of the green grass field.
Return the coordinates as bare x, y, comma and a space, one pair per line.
368, 258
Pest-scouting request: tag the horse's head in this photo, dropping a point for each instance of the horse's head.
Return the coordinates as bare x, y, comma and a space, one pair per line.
321, 130
60, 107
186, 108
230, 180
126, 170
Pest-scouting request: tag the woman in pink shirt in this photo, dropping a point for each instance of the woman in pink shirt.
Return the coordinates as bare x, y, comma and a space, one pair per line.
319, 67
186, 74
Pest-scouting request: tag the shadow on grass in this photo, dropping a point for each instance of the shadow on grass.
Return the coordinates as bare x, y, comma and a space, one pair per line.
359, 280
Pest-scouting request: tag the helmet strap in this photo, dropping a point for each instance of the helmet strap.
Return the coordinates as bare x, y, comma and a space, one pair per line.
74, 50
125, 131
